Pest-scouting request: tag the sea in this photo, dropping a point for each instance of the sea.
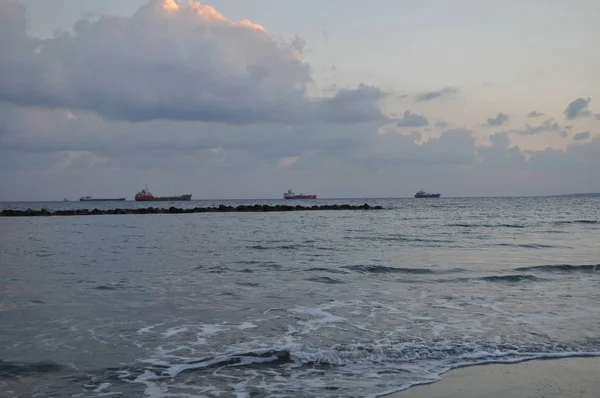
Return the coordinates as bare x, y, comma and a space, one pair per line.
355, 303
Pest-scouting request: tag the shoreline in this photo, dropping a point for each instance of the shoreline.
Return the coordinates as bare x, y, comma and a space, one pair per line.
577, 376
175, 210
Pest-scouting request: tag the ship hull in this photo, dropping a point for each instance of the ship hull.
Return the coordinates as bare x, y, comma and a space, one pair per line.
101, 200
301, 197
432, 195
183, 198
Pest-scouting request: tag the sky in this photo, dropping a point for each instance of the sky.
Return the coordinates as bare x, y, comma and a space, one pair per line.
342, 98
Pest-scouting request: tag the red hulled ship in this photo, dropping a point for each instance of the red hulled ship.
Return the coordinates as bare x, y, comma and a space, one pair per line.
145, 196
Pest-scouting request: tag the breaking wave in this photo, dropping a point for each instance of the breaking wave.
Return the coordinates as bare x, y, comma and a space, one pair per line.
394, 364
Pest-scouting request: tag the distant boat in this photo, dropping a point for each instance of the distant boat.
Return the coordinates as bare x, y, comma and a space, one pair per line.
90, 199
146, 196
291, 195
423, 194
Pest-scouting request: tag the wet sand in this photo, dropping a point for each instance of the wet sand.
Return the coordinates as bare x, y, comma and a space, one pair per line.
568, 377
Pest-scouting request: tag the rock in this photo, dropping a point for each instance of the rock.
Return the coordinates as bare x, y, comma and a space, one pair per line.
175, 210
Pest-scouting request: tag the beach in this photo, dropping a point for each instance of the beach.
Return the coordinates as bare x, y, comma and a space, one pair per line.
549, 378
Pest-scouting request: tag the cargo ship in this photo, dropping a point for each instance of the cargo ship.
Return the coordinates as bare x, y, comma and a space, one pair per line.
146, 196
423, 194
291, 195
90, 199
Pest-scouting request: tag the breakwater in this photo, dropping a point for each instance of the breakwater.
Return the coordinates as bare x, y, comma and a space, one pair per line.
175, 210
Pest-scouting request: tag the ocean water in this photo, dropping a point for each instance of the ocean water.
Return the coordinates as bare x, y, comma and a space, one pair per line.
311, 304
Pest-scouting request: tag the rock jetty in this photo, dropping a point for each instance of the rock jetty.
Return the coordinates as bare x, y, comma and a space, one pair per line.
175, 210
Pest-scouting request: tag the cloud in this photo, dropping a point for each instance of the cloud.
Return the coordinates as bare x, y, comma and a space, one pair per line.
172, 62
431, 95
499, 155
412, 120
453, 148
581, 136
547, 126
287, 161
577, 108
534, 114
46, 131
500, 119
578, 161
217, 103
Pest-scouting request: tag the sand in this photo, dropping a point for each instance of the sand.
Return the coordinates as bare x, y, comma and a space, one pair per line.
569, 377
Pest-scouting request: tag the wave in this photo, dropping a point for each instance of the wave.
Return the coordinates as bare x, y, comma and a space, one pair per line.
508, 278
463, 225
382, 269
561, 268
251, 284
330, 270
292, 247
281, 247
447, 353
325, 279
400, 238
533, 246
12, 369
563, 222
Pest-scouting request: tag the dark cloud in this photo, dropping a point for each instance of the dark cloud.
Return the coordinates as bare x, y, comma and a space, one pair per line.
350, 106
577, 108
548, 126
412, 120
441, 123
499, 155
534, 114
500, 119
597, 115
581, 136
190, 64
582, 158
46, 131
392, 150
431, 95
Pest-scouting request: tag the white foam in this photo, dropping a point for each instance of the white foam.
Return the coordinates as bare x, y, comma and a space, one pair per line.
323, 317
442, 303
247, 325
173, 331
101, 387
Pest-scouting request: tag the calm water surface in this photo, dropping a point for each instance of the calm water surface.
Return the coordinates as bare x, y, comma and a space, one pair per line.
323, 304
